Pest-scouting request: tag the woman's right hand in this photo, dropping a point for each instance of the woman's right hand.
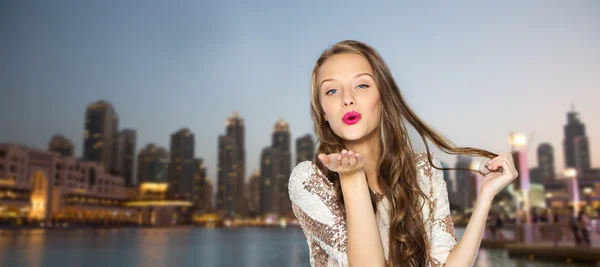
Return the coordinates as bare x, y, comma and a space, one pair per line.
344, 163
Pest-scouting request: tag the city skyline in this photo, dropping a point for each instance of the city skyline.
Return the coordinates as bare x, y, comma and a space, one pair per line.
166, 76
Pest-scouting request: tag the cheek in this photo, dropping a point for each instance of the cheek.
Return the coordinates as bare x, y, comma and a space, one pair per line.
375, 105
327, 109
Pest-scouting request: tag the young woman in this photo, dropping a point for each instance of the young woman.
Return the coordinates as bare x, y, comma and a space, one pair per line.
368, 199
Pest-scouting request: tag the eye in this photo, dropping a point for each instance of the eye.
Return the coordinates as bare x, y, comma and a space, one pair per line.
365, 86
328, 92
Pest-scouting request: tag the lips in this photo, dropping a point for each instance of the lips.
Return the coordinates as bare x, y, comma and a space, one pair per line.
351, 117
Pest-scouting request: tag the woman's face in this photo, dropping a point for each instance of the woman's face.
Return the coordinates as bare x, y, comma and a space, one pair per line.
349, 96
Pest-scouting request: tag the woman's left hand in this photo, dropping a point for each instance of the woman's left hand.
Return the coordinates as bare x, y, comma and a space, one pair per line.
494, 182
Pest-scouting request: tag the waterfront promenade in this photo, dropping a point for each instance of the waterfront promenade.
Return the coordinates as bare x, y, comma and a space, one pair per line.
544, 246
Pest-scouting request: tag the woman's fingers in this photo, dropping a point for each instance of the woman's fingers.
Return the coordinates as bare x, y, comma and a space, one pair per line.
345, 161
352, 160
344, 158
324, 159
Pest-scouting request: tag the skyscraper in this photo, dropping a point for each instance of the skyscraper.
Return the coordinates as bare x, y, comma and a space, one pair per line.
574, 129
305, 149
201, 197
124, 156
228, 176
282, 142
235, 129
465, 183
207, 198
270, 164
253, 193
101, 124
61, 145
152, 164
181, 165
545, 154
582, 154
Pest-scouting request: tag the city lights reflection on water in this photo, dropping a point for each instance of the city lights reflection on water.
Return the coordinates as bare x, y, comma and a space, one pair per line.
251, 247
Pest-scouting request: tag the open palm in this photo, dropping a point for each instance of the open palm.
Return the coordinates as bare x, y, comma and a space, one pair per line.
346, 162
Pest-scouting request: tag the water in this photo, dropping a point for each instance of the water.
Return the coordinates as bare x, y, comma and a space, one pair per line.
179, 247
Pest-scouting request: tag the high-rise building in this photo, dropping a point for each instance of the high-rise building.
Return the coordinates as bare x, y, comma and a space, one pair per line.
282, 141
231, 200
574, 129
253, 194
61, 145
152, 164
582, 154
545, 154
235, 129
536, 176
207, 200
124, 156
270, 187
201, 198
465, 182
305, 149
101, 124
227, 172
181, 165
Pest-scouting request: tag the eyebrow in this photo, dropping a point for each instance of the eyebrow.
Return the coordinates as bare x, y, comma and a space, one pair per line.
356, 76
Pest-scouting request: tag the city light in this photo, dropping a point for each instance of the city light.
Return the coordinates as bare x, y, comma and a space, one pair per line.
570, 173
517, 140
158, 203
156, 187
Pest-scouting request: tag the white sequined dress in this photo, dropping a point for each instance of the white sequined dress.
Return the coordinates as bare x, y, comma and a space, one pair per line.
323, 219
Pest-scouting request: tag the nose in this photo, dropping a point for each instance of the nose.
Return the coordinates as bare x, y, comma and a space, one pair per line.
348, 100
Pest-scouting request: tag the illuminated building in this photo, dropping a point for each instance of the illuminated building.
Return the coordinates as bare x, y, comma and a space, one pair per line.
61, 145
181, 165
101, 126
576, 147
124, 156
545, 154
231, 201
305, 149
40, 186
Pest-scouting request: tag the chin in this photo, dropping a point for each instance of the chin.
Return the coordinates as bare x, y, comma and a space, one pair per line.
353, 135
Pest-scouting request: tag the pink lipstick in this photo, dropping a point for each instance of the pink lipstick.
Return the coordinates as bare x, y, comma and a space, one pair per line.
351, 117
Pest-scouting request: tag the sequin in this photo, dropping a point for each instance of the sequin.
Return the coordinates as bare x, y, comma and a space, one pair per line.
326, 230
319, 255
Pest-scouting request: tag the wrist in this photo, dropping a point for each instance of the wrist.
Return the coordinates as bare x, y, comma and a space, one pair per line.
353, 181
485, 200
352, 177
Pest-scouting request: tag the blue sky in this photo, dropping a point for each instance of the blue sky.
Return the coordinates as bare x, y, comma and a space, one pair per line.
474, 71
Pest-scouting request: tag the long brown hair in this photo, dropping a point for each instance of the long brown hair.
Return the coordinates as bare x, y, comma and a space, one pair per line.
397, 172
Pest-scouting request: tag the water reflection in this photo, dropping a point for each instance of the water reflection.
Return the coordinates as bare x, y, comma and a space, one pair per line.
251, 247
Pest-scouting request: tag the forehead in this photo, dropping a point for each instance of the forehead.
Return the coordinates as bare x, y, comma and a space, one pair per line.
343, 66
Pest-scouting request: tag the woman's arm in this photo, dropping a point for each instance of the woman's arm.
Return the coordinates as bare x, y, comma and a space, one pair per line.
364, 242
465, 252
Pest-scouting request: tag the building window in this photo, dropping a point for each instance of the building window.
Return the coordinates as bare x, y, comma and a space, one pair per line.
13, 168
2, 154
1, 167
